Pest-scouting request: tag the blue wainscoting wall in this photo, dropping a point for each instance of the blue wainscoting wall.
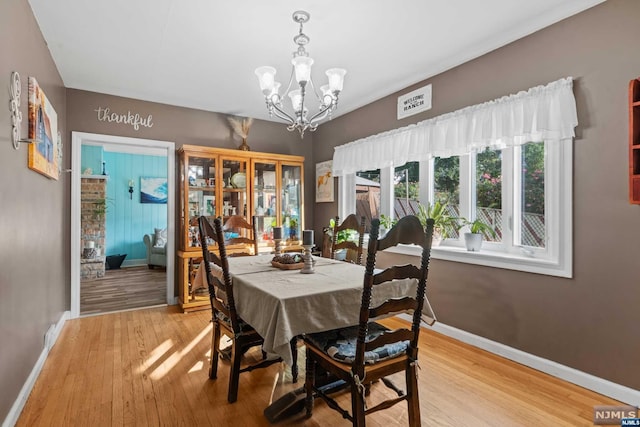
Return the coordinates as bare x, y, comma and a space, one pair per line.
128, 220
91, 159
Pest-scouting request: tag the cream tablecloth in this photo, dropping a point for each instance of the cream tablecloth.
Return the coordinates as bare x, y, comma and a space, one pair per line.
281, 304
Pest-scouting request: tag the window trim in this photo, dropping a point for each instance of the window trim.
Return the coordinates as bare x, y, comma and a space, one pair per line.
558, 252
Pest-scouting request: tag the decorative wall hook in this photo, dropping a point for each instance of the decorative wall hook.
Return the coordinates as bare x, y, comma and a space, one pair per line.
15, 90
131, 189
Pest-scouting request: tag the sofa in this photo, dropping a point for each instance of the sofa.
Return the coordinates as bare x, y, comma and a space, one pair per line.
156, 244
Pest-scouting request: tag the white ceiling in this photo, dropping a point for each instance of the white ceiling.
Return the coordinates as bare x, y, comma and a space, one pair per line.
202, 53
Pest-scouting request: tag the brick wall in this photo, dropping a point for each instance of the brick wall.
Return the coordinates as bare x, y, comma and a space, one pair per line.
93, 193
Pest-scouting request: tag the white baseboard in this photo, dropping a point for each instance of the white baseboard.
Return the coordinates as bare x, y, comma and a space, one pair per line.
607, 388
50, 339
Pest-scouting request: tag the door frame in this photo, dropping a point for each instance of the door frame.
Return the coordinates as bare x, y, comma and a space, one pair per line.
77, 140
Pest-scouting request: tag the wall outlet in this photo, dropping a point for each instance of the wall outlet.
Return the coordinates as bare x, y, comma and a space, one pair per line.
49, 337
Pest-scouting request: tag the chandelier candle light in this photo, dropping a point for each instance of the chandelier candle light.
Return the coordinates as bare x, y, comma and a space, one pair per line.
301, 69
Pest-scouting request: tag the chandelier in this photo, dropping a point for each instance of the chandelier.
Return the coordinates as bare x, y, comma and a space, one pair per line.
301, 70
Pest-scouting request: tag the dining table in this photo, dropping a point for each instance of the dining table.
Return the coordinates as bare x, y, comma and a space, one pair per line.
282, 304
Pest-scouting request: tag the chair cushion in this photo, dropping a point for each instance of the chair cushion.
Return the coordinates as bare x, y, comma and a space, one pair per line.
244, 327
340, 344
160, 237
158, 250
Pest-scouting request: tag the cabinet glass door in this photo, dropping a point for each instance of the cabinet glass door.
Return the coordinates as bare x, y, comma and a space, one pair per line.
291, 202
264, 199
200, 195
234, 190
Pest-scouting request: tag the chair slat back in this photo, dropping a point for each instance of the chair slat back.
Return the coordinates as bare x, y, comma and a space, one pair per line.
394, 305
408, 230
389, 338
351, 222
397, 272
220, 291
247, 235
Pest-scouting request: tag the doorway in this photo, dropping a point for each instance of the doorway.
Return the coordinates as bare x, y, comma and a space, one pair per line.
88, 244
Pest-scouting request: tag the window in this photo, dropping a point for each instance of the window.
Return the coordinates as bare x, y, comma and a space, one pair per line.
523, 189
532, 196
488, 191
406, 189
522, 192
367, 196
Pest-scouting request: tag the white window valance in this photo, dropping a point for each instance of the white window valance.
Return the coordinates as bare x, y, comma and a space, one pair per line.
542, 113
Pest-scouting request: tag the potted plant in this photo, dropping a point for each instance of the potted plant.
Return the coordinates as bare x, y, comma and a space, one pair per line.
473, 238
99, 207
386, 223
442, 221
293, 228
342, 236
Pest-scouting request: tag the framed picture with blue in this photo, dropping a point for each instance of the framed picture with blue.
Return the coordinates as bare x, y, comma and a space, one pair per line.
153, 190
43, 132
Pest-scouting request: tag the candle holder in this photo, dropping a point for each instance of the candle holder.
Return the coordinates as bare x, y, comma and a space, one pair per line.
277, 238
308, 260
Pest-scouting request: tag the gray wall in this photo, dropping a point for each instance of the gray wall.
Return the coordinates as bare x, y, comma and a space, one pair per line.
187, 126
589, 322
34, 211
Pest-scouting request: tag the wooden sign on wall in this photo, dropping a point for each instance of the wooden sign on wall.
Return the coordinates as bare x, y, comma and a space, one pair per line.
414, 102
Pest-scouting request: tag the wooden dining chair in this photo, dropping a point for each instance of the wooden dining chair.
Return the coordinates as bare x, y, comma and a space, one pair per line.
223, 309
350, 223
241, 236
368, 352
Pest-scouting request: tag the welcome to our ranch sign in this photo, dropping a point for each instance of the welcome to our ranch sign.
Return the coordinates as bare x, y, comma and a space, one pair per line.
414, 102
135, 120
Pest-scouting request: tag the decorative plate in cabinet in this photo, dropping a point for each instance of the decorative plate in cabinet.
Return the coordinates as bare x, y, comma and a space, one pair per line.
239, 180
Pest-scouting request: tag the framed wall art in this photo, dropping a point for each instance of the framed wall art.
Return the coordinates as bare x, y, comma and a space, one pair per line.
153, 190
324, 182
43, 132
209, 205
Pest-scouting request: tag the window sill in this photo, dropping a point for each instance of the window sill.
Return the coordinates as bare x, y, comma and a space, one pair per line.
490, 258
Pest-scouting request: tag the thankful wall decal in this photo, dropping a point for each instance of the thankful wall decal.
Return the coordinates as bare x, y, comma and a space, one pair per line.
129, 118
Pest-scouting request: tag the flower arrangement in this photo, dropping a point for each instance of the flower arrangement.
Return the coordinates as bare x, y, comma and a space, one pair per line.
241, 126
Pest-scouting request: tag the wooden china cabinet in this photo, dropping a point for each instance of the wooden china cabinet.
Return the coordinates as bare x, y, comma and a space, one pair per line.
222, 182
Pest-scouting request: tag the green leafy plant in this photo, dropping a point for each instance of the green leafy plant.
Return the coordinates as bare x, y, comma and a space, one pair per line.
342, 235
477, 226
442, 221
293, 228
101, 206
293, 223
387, 222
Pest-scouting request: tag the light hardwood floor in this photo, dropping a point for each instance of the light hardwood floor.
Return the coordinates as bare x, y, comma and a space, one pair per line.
123, 289
150, 367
